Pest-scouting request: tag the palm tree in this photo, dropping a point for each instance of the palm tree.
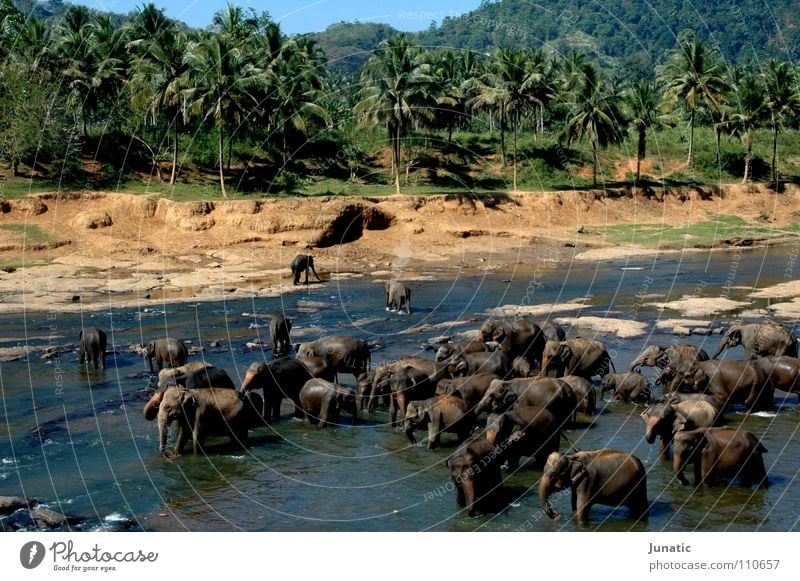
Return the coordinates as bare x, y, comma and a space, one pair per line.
159, 77
397, 90
220, 80
643, 104
594, 115
748, 109
783, 101
694, 78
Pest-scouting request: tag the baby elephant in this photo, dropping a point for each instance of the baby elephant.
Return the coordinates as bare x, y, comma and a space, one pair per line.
398, 296
324, 400
441, 413
524, 431
607, 477
726, 452
475, 472
207, 412
626, 387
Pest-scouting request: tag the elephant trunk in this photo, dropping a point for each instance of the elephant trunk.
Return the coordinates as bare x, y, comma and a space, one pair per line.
544, 496
677, 466
650, 430
151, 407
163, 429
722, 345
468, 485
247, 384
409, 432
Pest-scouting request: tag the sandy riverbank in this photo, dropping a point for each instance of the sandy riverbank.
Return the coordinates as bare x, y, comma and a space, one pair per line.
104, 250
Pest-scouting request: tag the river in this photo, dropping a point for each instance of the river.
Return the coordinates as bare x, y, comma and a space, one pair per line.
79, 442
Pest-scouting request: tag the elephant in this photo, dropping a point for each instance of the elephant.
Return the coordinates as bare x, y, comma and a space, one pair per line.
303, 263
495, 362
364, 387
407, 384
280, 328
177, 375
323, 400
732, 382
678, 356
449, 350
608, 477
471, 388
664, 420
520, 367
207, 412
524, 431
166, 351
579, 356
192, 375
380, 381
346, 354
398, 296
319, 367
759, 339
552, 331
630, 386
93, 343
475, 472
720, 452
515, 337
440, 413
584, 392
782, 372
280, 378
553, 394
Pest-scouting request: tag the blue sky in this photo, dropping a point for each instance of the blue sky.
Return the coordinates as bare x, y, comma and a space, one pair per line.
296, 16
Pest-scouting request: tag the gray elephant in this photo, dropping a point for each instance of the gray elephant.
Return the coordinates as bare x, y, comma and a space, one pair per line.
552, 331
664, 420
302, 263
207, 412
346, 354
732, 382
720, 452
381, 379
407, 384
322, 401
630, 386
678, 356
759, 340
782, 372
584, 392
475, 472
398, 296
178, 377
280, 329
449, 350
579, 356
553, 394
607, 477
93, 343
320, 367
515, 337
495, 362
441, 413
524, 431
280, 378
166, 351
471, 388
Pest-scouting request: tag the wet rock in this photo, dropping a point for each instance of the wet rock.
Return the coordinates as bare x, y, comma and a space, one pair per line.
215, 344
193, 350
15, 353
10, 504
255, 344
681, 331
47, 518
717, 331
700, 331
50, 353
439, 340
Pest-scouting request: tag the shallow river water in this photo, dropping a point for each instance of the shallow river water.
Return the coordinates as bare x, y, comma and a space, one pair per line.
79, 442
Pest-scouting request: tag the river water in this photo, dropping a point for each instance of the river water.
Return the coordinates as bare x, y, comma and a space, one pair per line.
79, 442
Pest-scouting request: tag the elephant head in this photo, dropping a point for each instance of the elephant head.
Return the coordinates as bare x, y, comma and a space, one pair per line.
521, 367
177, 404
444, 352
609, 383
652, 356
491, 331
254, 376
560, 472
732, 338
457, 366
686, 447
656, 417
498, 398
695, 378
556, 354
416, 417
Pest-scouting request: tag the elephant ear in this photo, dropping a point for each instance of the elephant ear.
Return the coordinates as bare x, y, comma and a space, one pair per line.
509, 398
564, 352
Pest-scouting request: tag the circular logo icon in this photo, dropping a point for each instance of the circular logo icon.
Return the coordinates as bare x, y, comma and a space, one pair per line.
32, 554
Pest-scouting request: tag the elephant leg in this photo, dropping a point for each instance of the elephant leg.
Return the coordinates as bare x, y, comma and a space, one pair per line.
81, 356
461, 499
513, 461
306, 417
324, 410
582, 509
392, 411
183, 438
433, 432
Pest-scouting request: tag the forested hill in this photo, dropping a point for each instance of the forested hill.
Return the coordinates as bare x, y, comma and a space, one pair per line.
349, 45
624, 29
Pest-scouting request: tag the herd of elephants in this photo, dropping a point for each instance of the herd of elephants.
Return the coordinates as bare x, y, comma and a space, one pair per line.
508, 393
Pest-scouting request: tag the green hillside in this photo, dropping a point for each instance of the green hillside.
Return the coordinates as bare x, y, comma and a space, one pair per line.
349, 45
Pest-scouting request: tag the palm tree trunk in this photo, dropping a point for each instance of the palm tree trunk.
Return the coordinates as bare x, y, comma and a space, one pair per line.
174, 174
748, 157
775, 155
221, 164
641, 151
503, 135
396, 158
691, 139
594, 157
516, 122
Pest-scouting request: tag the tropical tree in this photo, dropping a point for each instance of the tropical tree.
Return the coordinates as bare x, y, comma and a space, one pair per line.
594, 115
782, 102
694, 78
221, 80
747, 111
643, 104
398, 89
159, 75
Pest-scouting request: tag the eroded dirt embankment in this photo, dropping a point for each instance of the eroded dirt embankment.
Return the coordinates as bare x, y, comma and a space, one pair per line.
125, 248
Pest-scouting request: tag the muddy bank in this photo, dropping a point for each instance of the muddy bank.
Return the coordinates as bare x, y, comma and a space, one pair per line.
90, 250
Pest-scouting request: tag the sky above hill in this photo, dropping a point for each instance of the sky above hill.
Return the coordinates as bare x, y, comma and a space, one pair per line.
298, 16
